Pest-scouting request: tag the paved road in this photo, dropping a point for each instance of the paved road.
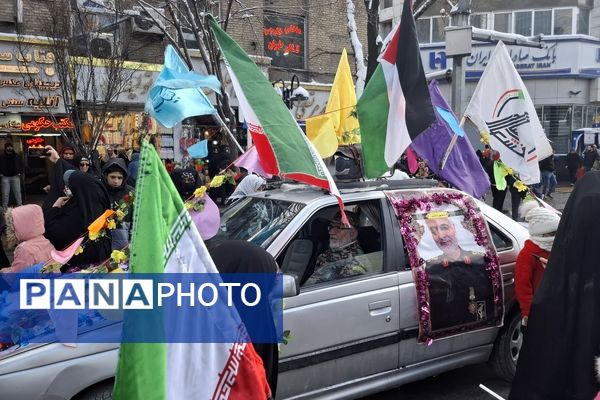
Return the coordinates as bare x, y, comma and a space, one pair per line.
460, 384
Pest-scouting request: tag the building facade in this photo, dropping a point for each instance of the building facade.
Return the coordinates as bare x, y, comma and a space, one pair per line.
287, 38
562, 77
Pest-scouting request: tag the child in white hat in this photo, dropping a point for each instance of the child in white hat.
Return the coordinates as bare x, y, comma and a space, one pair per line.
534, 256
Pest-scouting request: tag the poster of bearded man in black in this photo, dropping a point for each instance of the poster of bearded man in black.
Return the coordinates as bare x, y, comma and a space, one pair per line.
460, 291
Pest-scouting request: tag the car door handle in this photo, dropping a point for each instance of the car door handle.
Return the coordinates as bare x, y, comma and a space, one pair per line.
380, 307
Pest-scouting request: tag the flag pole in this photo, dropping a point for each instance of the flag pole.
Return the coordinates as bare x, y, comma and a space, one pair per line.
220, 121
450, 146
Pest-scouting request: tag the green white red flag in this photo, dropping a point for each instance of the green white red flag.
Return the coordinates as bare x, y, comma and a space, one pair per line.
283, 148
165, 240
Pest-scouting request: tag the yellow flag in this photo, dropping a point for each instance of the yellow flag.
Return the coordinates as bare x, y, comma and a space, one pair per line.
341, 104
338, 123
321, 133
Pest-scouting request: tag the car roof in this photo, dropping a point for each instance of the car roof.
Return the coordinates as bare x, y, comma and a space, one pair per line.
301, 193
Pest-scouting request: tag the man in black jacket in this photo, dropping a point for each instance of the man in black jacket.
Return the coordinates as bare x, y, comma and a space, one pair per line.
11, 168
573, 164
548, 179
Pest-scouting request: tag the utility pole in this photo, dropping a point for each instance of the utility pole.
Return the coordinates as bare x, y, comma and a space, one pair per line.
459, 44
458, 48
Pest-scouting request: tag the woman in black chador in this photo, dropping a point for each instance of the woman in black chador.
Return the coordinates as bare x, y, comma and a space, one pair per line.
241, 257
563, 333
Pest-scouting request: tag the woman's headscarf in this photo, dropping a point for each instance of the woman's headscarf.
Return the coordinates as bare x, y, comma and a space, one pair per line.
563, 332
241, 257
64, 225
249, 185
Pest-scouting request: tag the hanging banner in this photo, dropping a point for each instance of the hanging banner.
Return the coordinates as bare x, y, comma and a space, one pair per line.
454, 262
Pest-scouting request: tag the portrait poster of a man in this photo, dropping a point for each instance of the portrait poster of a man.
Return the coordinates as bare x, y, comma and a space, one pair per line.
460, 290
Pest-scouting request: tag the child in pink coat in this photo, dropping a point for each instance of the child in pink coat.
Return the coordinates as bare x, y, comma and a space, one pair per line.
25, 228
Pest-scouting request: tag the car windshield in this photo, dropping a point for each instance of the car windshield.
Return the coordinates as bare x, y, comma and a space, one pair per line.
258, 220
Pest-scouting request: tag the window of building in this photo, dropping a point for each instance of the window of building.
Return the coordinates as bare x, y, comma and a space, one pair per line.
388, 3
583, 22
424, 30
479, 20
542, 22
523, 23
557, 123
563, 21
503, 22
385, 28
437, 30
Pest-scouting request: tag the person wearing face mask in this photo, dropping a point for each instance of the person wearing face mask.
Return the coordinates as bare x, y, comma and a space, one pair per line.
532, 260
11, 168
339, 261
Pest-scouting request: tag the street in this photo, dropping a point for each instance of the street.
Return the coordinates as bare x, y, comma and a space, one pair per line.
462, 383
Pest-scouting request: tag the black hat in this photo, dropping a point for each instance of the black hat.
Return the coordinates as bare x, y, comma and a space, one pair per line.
8, 144
352, 218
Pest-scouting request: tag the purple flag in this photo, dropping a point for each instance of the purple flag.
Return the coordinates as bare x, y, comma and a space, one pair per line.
462, 168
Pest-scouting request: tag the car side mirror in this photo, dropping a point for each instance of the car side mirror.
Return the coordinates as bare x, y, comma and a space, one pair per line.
291, 286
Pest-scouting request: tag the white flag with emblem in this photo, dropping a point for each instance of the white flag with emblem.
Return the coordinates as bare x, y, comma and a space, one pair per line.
501, 106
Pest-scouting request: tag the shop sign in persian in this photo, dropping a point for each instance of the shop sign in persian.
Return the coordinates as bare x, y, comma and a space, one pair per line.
28, 80
454, 262
45, 124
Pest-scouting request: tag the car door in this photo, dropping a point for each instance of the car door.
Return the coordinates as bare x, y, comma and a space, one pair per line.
341, 330
478, 343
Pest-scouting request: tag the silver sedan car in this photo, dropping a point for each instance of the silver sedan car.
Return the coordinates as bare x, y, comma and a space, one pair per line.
350, 337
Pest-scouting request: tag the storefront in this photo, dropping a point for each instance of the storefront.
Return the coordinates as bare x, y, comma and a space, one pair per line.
32, 112
122, 129
563, 78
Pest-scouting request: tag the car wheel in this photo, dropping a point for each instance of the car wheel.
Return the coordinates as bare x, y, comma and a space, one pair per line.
507, 347
100, 391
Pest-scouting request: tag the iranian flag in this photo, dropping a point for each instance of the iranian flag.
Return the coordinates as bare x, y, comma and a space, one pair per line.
395, 106
283, 148
166, 240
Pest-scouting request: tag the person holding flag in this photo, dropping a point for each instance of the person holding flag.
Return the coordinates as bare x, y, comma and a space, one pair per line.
165, 240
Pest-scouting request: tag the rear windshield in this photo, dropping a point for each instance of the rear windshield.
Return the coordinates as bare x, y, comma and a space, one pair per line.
258, 220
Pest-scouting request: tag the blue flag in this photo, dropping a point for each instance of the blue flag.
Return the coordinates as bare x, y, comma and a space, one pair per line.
450, 119
177, 93
199, 150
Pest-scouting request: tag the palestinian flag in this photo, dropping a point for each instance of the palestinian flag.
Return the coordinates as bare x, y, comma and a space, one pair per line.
166, 240
395, 106
283, 148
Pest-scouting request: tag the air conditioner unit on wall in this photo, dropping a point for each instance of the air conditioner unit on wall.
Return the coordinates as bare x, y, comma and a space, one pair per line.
100, 45
143, 23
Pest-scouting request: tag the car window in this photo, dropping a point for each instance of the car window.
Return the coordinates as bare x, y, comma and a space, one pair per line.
258, 220
501, 241
338, 252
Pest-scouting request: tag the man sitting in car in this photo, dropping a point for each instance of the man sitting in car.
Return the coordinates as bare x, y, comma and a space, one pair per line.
339, 261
